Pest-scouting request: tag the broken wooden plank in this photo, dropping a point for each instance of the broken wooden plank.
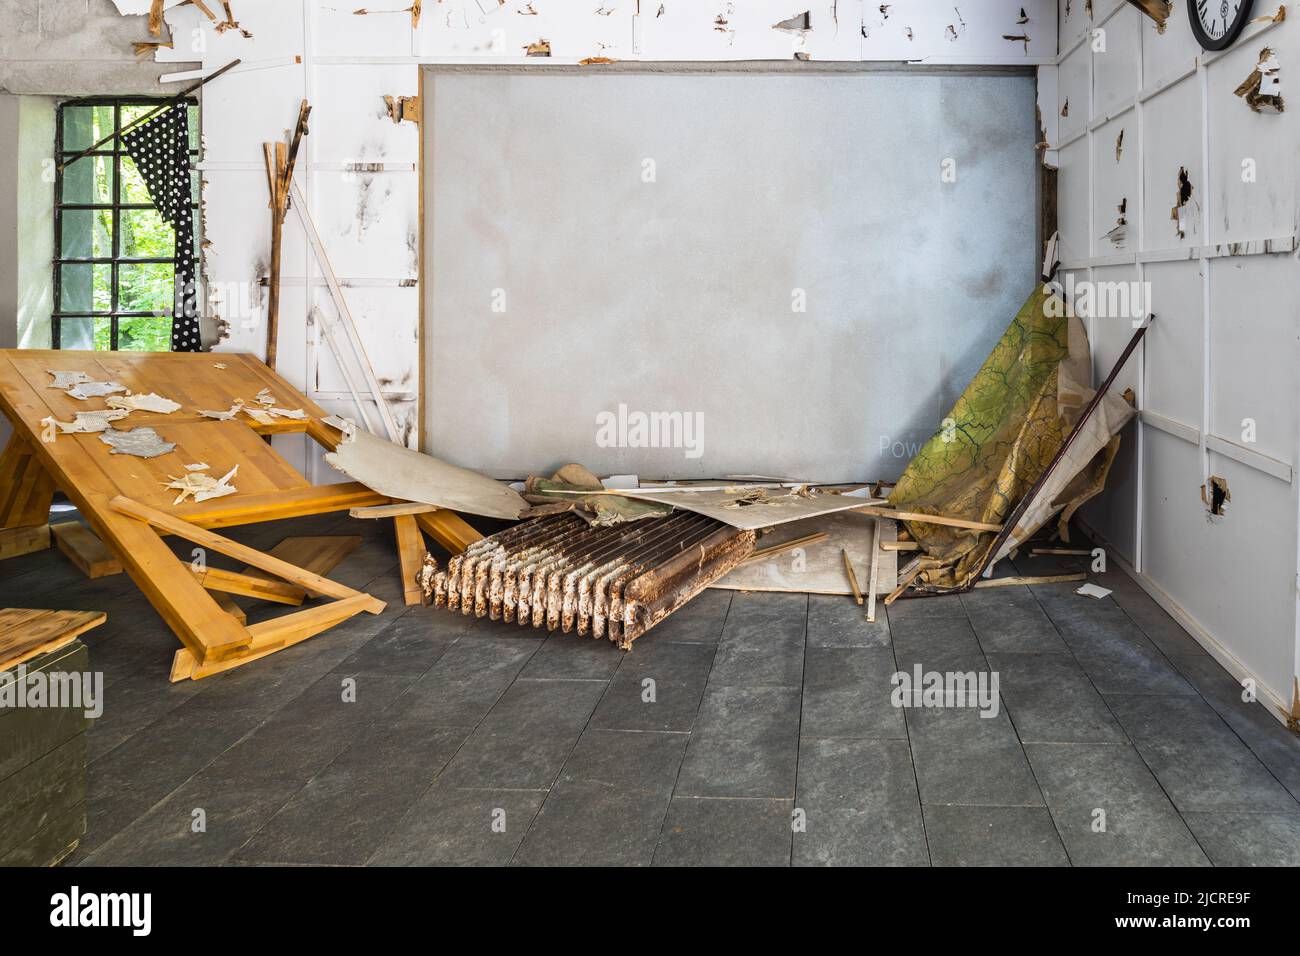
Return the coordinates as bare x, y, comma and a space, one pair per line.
317, 554
29, 632
15, 542
84, 549
899, 546
227, 604
874, 584
247, 585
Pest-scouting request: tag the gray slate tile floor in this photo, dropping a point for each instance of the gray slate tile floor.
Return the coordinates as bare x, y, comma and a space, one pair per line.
751, 729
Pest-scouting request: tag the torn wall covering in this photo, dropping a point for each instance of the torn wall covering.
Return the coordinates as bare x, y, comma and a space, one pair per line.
360, 170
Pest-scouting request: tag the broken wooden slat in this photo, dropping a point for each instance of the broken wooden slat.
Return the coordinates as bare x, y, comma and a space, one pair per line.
15, 542
227, 604
899, 546
28, 632
84, 549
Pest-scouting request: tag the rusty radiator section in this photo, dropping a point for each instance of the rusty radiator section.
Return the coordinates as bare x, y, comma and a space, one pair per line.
560, 573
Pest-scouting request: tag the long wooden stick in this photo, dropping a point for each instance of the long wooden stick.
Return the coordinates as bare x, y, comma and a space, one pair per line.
279, 178
920, 518
877, 532
167, 104
1031, 579
340, 303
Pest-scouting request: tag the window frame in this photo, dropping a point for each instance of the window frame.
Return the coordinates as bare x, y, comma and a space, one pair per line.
112, 149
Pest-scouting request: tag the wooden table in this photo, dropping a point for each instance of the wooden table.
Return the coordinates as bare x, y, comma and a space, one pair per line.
104, 486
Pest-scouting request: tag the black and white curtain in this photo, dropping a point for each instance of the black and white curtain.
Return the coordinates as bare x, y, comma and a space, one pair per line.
161, 150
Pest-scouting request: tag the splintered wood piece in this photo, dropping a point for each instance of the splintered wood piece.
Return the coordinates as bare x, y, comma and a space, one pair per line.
84, 549
247, 585
905, 578
411, 551
853, 578
27, 632
233, 549
449, 529
317, 554
899, 546
271, 636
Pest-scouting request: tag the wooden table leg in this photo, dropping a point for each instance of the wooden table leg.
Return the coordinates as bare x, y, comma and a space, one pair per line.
411, 549
26, 491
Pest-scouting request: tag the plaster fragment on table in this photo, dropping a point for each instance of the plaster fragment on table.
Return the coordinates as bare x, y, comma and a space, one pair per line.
86, 423
85, 390
150, 402
141, 442
65, 380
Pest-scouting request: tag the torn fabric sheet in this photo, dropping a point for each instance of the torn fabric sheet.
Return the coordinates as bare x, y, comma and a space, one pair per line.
141, 442
409, 475
1000, 436
86, 423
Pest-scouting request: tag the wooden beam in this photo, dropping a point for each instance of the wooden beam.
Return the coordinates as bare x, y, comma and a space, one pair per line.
411, 551
899, 546
919, 518
319, 554
318, 499
246, 585
233, 549
227, 604
449, 529
84, 549
26, 632
392, 510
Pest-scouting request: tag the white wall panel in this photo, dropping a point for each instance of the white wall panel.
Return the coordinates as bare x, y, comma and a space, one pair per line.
1114, 185
1115, 62
1172, 121
1175, 344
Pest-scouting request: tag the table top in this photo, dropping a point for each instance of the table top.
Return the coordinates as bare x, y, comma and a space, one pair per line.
83, 464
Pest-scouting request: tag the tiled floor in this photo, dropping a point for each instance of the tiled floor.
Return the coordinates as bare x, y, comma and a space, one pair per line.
747, 729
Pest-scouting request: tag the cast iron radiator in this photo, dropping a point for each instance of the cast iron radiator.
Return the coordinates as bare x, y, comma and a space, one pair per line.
616, 582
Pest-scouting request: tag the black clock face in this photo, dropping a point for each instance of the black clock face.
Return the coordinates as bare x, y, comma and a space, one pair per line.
1216, 23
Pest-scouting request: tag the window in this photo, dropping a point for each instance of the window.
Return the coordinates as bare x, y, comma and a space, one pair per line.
114, 255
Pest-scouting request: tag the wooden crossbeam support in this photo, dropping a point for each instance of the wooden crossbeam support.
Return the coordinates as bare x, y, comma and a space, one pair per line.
84, 549
233, 549
449, 529
273, 635
264, 589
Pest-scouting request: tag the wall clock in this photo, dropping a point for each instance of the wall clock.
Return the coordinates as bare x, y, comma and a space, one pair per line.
1217, 23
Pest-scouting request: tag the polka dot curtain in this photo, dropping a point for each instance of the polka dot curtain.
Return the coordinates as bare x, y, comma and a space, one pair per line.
161, 150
